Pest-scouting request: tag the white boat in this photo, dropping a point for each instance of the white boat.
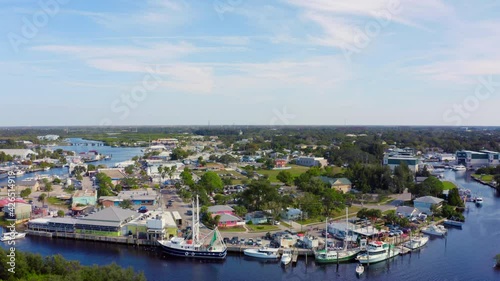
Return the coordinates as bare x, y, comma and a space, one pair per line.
479, 201
453, 223
360, 269
416, 242
286, 257
262, 253
7, 236
19, 173
46, 168
210, 246
377, 251
458, 168
436, 230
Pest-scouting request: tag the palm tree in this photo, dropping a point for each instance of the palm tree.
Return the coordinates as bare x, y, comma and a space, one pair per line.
41, 198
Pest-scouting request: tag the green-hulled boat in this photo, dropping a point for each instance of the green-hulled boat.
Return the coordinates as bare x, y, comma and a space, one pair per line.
332, 256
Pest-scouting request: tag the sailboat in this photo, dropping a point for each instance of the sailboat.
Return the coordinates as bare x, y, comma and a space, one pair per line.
196, 247
332, 256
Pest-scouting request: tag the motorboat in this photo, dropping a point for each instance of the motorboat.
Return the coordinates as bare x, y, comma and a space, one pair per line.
378, 251
416, 242
436, 230
19, 173
210, 246
453, 223
286, 257
7, 236
360, 269
479, 201
458, 168
262, 253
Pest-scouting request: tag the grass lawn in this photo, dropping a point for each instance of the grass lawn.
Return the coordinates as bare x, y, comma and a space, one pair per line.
55, 201
285, 224
341, 213
232, 229
262, 227
295, 171
448, 185
486, 178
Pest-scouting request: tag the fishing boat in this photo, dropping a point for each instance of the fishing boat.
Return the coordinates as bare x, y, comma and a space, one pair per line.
453, 223
416, 242
378, 251
211, 246
479, 201
436, 230
7, 236
286, 257
262, 253
360, 269
336, 255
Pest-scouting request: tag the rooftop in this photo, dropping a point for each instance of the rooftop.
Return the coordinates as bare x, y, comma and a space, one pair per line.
220, 208
113, 214
429, 199
85, 193
113, 173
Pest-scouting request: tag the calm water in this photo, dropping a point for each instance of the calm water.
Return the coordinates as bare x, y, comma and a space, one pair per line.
465, 254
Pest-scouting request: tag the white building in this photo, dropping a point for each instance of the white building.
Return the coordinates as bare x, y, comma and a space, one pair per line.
396, 160
48, 137
447, 157
473, 159
311, 161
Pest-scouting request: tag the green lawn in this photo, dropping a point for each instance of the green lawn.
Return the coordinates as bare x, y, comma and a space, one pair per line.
448, 185
295, 171
262, 228
232, 229
54, 201
486, 178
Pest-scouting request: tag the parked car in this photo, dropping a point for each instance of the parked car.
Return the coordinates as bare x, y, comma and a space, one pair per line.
259, 242
250, 242
189, 213
227, 240
234, 240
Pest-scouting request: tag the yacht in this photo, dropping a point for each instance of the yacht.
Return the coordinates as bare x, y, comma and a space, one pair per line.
7, 236
209, 247
479, 201
262, 253
436, 230
458, 168
286, 257
377, 251
453, 223
416, 242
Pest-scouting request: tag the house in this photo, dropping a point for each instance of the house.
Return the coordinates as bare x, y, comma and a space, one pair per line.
311, 161
292, 214
108, 201
280, 163
108, 222
220, 209
425, 203
341, 184
407, 211
139, 197
116, 174
34, 185
257, 217
229, 220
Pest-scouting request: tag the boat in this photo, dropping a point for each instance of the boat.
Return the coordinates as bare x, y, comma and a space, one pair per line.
211, 246
458, 168
453, 223
360, 269
378, 251
436, 230
479, 201
19, 173
416, 242
336, 255
7, 236
46, 168
286, 257
262, 253
4, 174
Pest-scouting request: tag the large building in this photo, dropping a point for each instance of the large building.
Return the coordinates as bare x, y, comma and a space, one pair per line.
311, 161
474, 159
394, 161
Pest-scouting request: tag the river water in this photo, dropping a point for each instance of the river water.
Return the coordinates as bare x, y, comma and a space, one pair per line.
465, 254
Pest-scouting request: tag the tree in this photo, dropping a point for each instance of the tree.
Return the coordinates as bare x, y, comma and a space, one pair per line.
240, 210
258, 193
285, 177
41, 198
332, 200
129, 169
454, 198
60, 213
126, 204
431, 186
211, 182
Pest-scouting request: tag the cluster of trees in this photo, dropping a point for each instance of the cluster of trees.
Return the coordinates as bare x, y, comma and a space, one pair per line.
179, 154
105, 185
376, 178
5, 158
393, 218
431, 186
35, 267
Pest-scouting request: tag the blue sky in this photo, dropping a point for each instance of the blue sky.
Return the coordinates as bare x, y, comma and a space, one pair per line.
284, 62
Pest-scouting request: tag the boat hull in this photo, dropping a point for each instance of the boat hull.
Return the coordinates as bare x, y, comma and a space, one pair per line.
259, 255
416, 244
378, 258
194, 254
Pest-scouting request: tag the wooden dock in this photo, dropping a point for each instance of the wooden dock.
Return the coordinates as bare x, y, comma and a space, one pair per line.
295, 256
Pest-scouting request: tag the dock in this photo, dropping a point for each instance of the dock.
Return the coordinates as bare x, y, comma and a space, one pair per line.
295, 256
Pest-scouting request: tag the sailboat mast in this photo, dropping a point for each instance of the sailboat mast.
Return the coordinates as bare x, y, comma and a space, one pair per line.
194, 222
197, 219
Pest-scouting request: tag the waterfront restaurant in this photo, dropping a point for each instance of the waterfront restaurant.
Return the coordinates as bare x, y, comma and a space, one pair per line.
108, 222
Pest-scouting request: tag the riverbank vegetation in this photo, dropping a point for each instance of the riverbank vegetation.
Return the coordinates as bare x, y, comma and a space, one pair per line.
30, 266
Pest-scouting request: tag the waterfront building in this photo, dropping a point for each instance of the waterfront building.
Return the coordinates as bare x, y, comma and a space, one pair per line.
474, 159
394, 161
24, 154
107, 222
50, 224
426, 203
341, 184
311, 161
154, 225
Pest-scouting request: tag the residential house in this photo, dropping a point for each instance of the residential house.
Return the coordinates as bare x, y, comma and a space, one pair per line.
34, 185
407, 212
341, 184
220, 209
425, 203
108, 201
280, 163
257, 217
116, 174
229, 220
292, 214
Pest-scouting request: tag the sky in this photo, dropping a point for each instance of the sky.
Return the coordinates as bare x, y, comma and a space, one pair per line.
224, 62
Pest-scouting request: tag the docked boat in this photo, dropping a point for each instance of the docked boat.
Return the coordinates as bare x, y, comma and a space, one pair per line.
46, 168
19, 173
378, 251
436, 230
286, 257
262, 253
211, 246
4, 174
360, 269
453, 223
416, 242
7, 236
458, 168
479, 201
